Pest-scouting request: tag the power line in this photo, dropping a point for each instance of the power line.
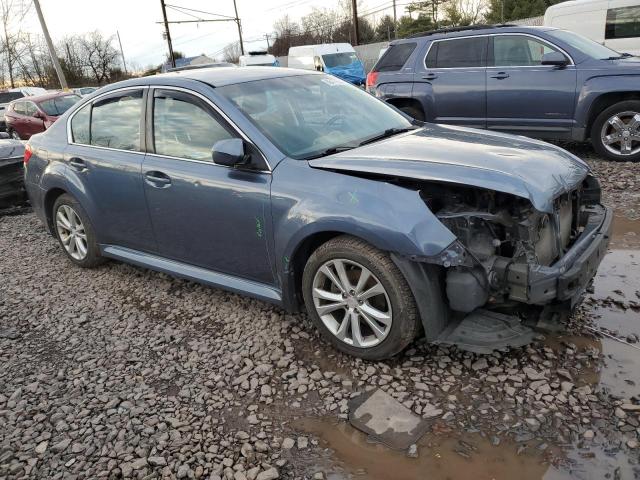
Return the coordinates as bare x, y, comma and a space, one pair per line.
201, 11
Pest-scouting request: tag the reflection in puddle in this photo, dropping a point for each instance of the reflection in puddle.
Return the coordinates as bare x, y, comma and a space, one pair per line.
451, 456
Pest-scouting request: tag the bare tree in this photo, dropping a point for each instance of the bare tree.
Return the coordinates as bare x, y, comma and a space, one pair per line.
231, 52
99, 55
12, 12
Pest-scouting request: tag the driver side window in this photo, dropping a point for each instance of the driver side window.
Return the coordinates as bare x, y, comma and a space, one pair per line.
183, 128
518, 51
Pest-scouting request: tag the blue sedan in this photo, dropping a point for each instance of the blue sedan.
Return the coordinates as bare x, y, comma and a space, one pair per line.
297, 188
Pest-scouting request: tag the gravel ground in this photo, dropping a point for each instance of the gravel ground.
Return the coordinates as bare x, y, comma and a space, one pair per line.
123, 372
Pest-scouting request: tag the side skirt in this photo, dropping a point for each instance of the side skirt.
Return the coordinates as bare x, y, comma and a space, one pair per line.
190, 272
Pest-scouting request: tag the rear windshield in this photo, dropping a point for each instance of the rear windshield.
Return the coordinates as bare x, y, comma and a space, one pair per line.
6, 97
59, 105
333, 60
395, 57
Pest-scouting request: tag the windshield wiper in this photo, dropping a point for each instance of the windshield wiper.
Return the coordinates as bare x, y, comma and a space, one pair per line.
389, 132
624, 55
330, 151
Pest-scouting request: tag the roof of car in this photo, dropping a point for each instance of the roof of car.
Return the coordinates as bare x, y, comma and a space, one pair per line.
471, 31
219, 77
44, 96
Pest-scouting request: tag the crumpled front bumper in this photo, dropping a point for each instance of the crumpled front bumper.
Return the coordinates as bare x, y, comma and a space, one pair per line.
567, 279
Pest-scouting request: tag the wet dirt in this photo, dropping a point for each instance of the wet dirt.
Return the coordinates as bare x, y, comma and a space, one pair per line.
612, 305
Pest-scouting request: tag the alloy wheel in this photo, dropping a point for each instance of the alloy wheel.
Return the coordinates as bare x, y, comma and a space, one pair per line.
352, 303
71, 232
620, 134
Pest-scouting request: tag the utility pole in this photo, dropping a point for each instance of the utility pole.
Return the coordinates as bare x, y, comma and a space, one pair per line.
395, 20
356, 29
266, 36
52, 51
124, 63
235, 7
172, 58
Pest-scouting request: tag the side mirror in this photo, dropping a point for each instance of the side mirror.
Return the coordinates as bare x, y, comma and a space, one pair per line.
229, 152
554, 58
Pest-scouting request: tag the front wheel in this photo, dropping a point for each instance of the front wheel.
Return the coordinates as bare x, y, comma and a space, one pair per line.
615, 134
359, 300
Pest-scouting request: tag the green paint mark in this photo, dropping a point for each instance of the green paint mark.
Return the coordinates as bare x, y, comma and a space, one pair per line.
259, 230
286, 259
353, 198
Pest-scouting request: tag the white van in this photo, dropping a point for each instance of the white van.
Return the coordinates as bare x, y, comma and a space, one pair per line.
338, 59
258, 59
614, 23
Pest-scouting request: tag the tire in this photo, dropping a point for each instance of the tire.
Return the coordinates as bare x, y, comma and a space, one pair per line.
414, 112
397, 301
13, 134
625, 111
63, 205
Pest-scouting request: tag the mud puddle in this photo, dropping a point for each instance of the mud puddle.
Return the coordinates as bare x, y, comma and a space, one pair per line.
349, 454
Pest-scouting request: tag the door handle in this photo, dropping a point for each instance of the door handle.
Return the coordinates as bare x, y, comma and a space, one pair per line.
430, 76
77, 164
157, 179
500, 75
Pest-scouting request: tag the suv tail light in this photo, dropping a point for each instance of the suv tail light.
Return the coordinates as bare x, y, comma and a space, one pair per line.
27, 153
372, 78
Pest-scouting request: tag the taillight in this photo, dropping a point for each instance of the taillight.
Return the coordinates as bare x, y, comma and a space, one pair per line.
372, 78
27, 153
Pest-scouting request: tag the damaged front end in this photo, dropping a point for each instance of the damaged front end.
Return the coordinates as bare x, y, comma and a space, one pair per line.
508, 255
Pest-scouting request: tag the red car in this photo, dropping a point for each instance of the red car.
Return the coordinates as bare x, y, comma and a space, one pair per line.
30, 115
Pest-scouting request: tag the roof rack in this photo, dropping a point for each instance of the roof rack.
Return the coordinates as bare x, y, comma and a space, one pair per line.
459, 29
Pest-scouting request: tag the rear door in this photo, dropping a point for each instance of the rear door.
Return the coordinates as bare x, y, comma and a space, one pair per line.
104, 160
450, 81
33, 124
524, 96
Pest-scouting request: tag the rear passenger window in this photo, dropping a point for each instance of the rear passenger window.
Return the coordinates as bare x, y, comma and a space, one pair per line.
115, 121
518, 51
183, 129
458, 53
623, 23
80, 125
18, 107
395, 57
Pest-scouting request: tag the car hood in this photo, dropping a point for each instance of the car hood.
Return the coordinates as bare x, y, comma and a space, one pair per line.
512, 164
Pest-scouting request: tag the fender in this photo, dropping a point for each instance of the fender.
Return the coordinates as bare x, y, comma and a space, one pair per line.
390, 217
594, 87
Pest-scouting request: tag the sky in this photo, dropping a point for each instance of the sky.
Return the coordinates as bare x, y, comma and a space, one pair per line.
141, 36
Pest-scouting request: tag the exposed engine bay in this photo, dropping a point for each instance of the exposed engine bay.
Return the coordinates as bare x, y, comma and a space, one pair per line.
505, 240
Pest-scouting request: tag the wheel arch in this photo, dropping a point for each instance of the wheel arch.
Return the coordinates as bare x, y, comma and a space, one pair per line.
605, 100
49, 200
400, 102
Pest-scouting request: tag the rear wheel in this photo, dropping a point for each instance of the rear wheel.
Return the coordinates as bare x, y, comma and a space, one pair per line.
615, 134
75, 232
359, 300
13, 134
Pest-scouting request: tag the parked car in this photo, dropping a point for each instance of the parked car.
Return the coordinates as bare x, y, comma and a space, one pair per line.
267, 182
258, 59
84, 91
535, 81
13, 94
11, 171
614, 23
35, 114
339, 59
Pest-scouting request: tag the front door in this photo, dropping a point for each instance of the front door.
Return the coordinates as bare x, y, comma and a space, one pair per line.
450, 81
104, 160
524, 96
204, 214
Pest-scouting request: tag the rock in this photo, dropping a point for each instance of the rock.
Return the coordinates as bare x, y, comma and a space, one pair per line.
270, 474
589, 434
630, 407
61, 446
413, 451
620, 413
302, 442
184, 471
631, 443
480, 364
41, 447
157, 461
533, 424
288, 443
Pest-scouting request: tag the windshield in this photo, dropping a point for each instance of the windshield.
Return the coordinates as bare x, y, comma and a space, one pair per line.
585, 45
59, 105
333, 60
309, 114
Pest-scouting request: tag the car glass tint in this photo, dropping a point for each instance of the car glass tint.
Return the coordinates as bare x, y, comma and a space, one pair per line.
6, 97
463, 52
59, 105
432, 56
395, 57
115, 121
518, 51
583, 44
80, 125
305, 115
623, 22
183, 129
333, 60
19, 108
30, 109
